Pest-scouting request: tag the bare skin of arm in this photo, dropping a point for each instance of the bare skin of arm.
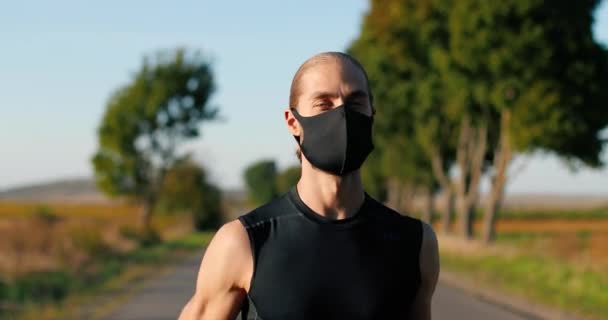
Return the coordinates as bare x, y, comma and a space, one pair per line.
223, 277
429, 273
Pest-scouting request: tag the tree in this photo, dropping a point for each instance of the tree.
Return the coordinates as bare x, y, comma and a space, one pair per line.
535, 69
260, 178
146, 120
397, 71
186, 188
373, 176
288, 178
485, 80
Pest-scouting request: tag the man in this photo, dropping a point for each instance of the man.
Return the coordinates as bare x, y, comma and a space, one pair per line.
325, 249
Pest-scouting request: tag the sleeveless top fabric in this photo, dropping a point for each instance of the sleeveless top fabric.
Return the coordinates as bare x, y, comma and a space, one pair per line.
308, 266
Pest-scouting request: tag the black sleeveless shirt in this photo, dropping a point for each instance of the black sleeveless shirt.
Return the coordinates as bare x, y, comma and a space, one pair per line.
307, 266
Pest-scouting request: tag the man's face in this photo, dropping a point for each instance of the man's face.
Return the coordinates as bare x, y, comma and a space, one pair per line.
326, 86
330, 84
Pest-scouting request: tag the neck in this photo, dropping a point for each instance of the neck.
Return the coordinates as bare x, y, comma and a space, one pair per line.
336, 197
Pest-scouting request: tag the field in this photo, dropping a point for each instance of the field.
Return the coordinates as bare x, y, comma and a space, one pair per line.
557, 259
50, 251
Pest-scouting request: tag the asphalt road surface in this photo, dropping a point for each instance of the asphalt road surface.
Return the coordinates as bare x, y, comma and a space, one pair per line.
163, 298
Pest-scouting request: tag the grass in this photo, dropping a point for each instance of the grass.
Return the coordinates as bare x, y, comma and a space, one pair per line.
595, 213
556, 258
546, 280
60, 296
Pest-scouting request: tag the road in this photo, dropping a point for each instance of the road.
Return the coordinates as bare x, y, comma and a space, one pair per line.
163, 297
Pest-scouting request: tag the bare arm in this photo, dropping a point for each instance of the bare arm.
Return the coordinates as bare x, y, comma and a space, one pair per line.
429, 273
223, 277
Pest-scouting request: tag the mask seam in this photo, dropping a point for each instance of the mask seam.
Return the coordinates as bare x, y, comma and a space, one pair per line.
346, 144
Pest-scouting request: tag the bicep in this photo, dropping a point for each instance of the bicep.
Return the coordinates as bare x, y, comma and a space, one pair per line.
429, 274
220, 288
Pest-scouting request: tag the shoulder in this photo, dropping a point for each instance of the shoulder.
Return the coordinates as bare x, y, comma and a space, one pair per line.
277, 207
390, 216
422, 231
227, 259
222, 280
429, 246
230, 235
229, 243
429, 256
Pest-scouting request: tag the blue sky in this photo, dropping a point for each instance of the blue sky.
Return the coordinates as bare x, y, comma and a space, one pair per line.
60, 60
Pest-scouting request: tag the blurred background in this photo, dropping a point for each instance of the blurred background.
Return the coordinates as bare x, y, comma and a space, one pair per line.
130, 131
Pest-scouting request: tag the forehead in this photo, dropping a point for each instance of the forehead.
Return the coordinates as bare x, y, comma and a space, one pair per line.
333, 76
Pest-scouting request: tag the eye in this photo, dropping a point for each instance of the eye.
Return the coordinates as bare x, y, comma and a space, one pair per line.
323, 104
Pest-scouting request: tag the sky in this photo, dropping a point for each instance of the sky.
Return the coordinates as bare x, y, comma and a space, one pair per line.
61, 60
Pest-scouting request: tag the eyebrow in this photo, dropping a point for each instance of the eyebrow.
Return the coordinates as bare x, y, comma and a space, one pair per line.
353, 95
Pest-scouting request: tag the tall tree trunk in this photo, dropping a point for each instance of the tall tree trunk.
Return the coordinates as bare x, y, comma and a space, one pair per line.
465, 212
502, 158
472, 146
150, 197
446, 219
145, 216
470, 154
447, 186
427, 205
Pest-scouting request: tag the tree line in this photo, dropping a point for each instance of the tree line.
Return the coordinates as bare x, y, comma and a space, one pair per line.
464, 86
461, 88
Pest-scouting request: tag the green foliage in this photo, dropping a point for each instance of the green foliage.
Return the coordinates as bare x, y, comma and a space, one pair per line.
186, 188
539, 60
528, 71
45, 214
209, 214
90, 241
192, 241
393, 46
182, 185
144, 237
41, 286
128, 232
288, 178
260, 178
147, 119
159, 253
149, 237
373, 177
4, 290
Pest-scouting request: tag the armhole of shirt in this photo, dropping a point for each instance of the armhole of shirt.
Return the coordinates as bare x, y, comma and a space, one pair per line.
250, 235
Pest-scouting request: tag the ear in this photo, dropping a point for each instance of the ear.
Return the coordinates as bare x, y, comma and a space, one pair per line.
292, 123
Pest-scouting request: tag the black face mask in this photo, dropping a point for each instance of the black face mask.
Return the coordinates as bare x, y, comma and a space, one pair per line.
338, 140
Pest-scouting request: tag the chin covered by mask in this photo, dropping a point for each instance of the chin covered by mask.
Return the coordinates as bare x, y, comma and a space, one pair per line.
338, 140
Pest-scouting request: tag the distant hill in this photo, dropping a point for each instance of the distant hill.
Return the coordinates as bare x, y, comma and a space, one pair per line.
65, 190
79, 190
